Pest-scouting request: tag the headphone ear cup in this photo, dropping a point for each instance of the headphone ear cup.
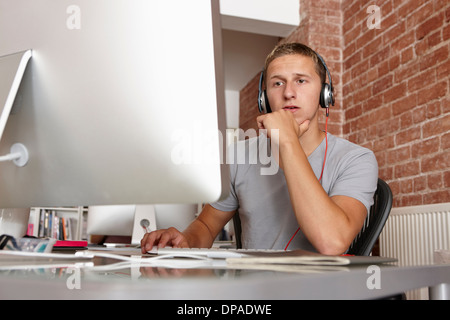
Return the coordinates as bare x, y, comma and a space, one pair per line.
263, 101
326, 96
266, 103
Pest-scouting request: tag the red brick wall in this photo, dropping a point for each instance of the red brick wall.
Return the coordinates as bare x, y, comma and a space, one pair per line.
392, 87
396, 93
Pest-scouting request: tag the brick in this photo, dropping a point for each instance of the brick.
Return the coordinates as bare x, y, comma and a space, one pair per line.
429, 25
352, 34
372, 75
403, 41
380, 56
406, 71
353, 112
370, 47
383, 68
446, 33
362, 95
404, 104
366, 37
435, 91
406, 186
380, 114
417, 82
395, 93
399, 155
434, 39
437, 197
407, 136
419, 114
386, 173
447, 12
420, 183
406, 119
443, 70
382, 84
446, 104
373, 102
435, 162
321, 27
436, 127
394, 62
425, 147
389, 19
433, 110
445, 141
434, 58
393, 33
447, 179
383, 128
352, 60
383, 144
411, 200
419, 16
407, 169
406, 55
435, 181
407, 7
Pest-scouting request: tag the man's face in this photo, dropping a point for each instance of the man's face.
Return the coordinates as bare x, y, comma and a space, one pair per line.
293, 84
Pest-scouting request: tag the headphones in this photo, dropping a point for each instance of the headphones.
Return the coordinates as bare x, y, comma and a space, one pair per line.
326, 94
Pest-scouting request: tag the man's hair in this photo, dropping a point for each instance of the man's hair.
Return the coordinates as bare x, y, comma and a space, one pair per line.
299, 49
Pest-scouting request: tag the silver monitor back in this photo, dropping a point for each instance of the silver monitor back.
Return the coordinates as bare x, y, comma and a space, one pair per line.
122, 102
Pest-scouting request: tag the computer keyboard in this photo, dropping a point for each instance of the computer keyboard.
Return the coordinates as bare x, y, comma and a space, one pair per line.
213, 253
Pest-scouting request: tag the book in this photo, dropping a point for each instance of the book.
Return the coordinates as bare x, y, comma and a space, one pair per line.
70, 244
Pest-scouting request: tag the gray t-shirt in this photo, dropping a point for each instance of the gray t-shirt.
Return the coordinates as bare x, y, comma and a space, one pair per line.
262, 197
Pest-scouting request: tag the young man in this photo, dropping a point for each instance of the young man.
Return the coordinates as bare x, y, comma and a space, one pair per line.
327, 208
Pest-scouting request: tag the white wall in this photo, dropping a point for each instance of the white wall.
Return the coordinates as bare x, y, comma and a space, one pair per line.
269, 17
232, 108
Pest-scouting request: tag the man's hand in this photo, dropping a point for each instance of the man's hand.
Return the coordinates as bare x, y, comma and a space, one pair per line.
284, 121
162, 238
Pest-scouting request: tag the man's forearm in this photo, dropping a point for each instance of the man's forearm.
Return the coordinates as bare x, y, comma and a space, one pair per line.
198, 235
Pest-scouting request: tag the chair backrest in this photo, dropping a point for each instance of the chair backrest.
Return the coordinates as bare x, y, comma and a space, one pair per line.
374, 223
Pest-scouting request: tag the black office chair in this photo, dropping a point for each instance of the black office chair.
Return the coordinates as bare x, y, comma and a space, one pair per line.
374, 223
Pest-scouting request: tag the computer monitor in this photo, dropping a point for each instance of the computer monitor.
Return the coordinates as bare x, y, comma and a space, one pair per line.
122, 102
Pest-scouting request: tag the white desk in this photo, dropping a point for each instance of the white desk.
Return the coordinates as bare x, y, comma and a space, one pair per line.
211, 283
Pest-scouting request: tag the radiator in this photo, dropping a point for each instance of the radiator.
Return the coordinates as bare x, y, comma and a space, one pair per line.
413, 234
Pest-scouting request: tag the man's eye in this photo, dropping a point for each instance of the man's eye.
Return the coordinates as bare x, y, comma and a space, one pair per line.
278, 83
301, 81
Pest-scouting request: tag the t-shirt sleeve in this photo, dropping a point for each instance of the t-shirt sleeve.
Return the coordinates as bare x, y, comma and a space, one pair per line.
358, 178
230, 202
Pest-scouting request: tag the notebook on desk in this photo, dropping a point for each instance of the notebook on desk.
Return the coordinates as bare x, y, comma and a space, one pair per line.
253, 256
302, 257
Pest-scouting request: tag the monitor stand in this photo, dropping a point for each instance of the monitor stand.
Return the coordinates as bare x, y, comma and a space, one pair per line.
12, 69
144, 221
